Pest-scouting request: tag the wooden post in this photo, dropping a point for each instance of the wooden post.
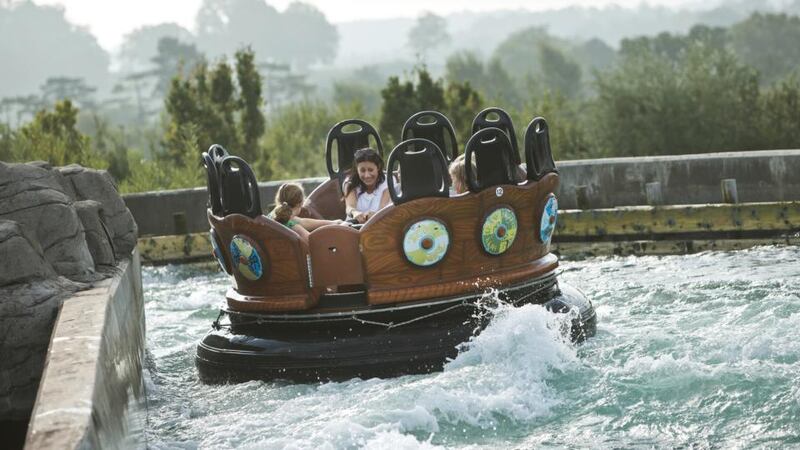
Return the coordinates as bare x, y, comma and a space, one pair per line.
653, 193
729, 192
582, 196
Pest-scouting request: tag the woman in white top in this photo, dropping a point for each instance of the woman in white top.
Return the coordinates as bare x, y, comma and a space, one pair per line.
366, 190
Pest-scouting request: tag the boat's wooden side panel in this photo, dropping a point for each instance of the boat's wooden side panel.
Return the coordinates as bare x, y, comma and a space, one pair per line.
335, 256
534, 269
283, 258
326, 201
391, 278
286, 303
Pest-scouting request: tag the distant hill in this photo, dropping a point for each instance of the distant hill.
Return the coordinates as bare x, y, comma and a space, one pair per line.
378, 41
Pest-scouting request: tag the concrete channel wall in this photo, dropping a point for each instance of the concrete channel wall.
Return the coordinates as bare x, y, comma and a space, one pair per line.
761, 176
91, 391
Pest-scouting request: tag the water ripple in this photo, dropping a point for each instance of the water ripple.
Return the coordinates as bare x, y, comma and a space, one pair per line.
697, 350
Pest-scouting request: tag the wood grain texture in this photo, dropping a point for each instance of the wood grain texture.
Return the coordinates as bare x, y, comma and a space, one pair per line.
335, 257
283, 255
326, 201
468, 285
281, 303
386, 266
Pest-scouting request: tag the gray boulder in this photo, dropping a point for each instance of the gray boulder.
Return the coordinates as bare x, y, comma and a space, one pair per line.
34, 197
97, 236
22, 257
90, 184
30, 295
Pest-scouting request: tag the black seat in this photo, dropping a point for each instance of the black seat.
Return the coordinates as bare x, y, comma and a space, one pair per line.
502, 122
423, 171
538, 155
211, 161
239, 189
492, 154
435, 127
347, 142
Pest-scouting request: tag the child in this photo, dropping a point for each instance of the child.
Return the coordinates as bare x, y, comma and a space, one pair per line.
288, 203
458, 174
366, 190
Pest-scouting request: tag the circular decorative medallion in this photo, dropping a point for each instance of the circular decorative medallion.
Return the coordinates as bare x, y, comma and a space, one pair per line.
426, 242
498, 192
549, 215
499, 230
245, 258
215, 250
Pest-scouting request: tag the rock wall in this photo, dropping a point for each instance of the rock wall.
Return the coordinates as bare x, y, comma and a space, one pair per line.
61, 230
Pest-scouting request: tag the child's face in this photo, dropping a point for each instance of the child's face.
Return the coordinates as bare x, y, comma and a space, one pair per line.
368, 172
458, 187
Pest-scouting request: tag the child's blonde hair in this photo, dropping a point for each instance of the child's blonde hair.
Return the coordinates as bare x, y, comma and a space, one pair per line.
289, 196
458, 172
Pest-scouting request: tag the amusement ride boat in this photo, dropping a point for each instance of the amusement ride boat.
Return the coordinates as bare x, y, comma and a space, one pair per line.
400, 293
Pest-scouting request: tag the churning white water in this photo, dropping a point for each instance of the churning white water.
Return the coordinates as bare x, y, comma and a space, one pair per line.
699, 349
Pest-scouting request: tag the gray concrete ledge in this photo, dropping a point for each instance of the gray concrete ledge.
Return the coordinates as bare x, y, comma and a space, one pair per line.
761, 176
91, 390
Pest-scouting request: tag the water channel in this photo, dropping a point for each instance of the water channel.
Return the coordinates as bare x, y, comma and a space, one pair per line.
695, 349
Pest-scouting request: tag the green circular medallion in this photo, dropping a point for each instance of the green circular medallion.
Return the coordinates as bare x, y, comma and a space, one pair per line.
499, 230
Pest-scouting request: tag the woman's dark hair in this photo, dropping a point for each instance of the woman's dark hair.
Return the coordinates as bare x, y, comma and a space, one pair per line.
353, 180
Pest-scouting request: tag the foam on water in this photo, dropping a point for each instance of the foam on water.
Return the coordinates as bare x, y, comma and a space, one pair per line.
698, 349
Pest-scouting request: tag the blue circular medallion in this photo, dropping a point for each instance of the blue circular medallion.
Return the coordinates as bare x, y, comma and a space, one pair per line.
245, 258
549, 216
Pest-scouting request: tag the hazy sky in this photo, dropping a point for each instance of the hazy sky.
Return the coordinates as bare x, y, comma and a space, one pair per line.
110, 20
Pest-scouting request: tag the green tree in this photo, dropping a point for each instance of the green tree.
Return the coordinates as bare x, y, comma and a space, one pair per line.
301, 34
559, 73
781, 114
428, 33
650, 105
519, 54
768, 42
53, 137
491, 80
206, 108
75, 89
223, 101
569, 137
250, 103
294, 144
462, 103
465, 66
673, 47
171, 56
429, 93
140, 46
399, 103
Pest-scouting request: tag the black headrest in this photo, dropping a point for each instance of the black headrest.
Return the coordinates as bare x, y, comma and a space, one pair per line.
239, 188
211, 161
503, 122
491, 152
538, 155
347, 142
435, 127
423, 171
